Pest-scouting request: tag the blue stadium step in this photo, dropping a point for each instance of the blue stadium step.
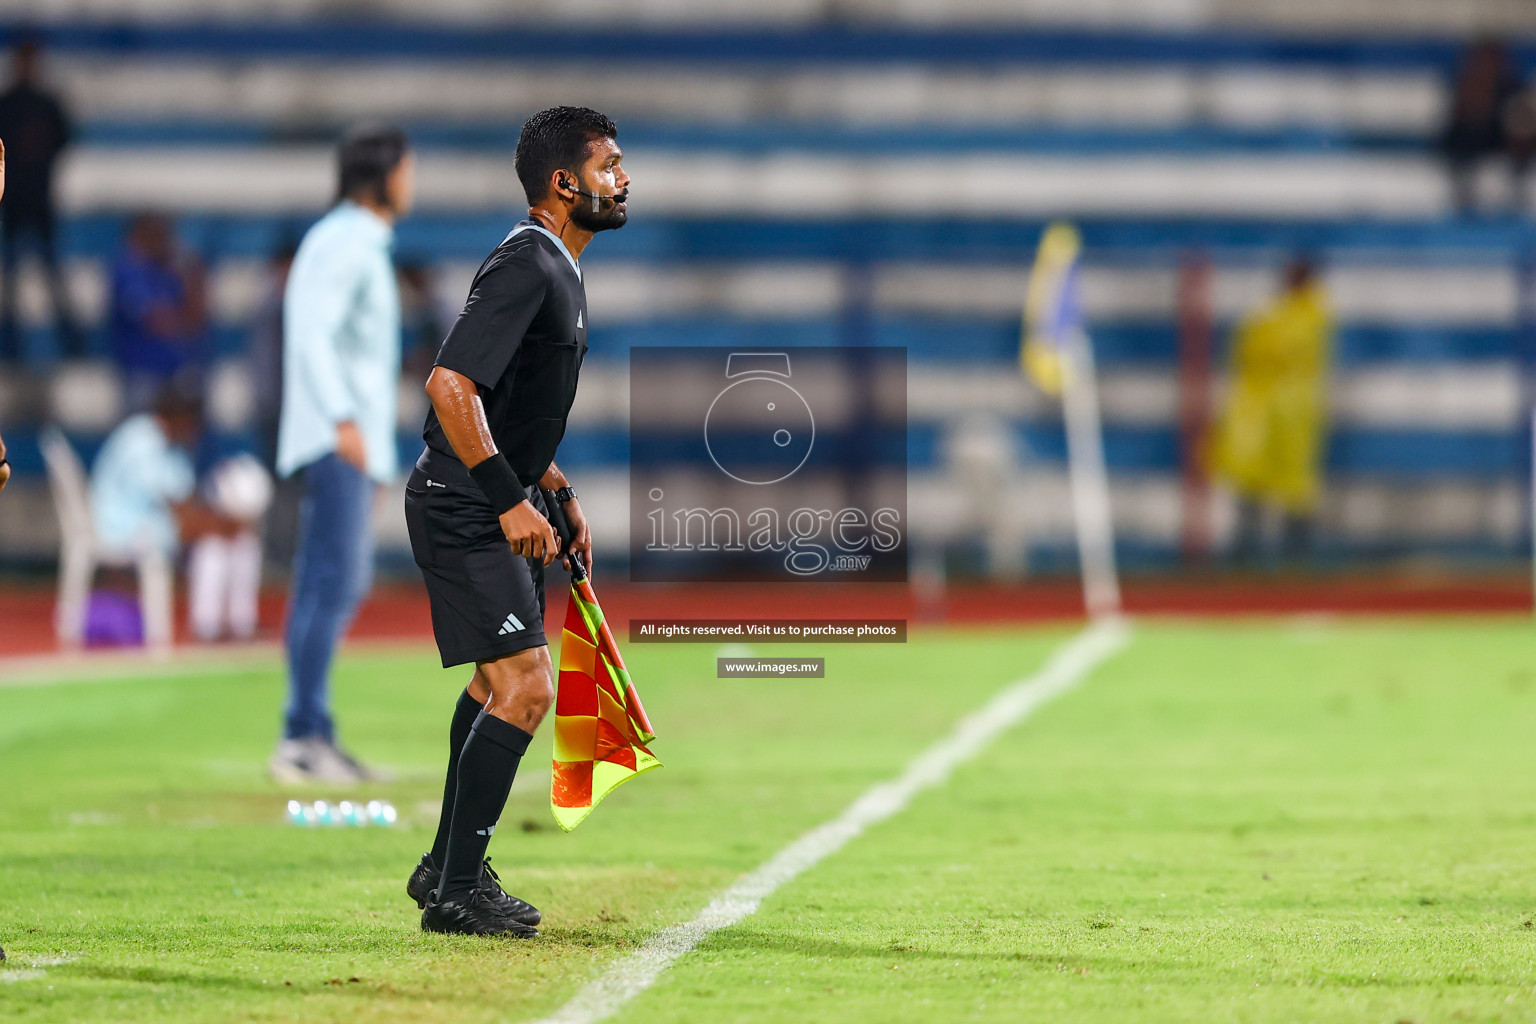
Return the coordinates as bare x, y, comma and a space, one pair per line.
1157, 342
1355, 452
768, 137
955, 340
1406, 455
928, 240
1397, 455
996, 340
984, 45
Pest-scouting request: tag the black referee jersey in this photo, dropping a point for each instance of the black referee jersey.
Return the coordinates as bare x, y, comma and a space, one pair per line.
521, 339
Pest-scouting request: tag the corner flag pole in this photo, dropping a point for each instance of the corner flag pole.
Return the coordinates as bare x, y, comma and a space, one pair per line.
1058, 354
1089, 480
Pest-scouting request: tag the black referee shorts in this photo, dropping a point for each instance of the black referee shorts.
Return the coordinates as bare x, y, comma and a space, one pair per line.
487, 602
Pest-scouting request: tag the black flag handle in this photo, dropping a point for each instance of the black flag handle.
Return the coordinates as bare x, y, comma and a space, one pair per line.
562, 525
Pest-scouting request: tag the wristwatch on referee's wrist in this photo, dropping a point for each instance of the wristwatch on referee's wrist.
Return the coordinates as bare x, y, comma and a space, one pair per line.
565, 494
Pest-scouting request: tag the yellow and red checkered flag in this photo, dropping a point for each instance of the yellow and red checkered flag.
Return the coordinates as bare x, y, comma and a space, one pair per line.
600, 725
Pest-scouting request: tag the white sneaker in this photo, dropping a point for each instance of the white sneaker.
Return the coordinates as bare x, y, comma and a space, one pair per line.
340, 757
311, 759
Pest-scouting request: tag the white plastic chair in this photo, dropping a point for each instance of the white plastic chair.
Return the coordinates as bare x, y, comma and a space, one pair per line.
80, 553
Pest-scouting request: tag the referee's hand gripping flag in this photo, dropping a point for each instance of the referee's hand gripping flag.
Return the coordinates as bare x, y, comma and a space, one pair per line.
601, 729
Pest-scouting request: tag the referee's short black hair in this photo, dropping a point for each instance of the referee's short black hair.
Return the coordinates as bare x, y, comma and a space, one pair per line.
366, 156
557, 139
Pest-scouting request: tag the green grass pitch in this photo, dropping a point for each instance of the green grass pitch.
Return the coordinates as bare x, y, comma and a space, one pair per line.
1236, 821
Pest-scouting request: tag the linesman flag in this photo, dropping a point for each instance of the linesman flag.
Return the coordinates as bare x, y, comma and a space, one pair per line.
601, 729
1053, 308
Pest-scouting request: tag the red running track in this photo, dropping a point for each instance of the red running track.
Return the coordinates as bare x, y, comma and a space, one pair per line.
399, 611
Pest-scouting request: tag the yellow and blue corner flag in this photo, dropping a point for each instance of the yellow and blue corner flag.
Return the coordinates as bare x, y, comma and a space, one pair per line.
1053, 308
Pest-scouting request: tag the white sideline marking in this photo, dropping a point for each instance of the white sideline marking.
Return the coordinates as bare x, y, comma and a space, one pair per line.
123, 666
33, 971
635, 973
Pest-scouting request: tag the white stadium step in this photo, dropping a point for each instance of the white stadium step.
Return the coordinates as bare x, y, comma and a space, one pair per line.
668, 182
1147, 509
626, 292
1394, 292
299, 91
1481, 397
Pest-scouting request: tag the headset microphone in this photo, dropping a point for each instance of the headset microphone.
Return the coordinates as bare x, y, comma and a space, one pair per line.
597, 200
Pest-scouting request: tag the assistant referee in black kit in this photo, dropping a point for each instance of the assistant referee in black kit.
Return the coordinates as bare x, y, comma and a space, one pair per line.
501, 390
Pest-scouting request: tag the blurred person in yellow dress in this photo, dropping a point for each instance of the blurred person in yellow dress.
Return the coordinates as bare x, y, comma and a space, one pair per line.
1270, 440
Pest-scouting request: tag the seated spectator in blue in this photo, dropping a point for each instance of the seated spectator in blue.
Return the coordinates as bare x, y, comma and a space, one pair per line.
143, 497
159, 316
143, 480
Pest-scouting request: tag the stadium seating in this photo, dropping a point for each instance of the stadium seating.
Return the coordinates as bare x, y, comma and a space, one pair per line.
788, 179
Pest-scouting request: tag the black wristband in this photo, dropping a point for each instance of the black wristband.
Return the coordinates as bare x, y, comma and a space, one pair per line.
565, 494
499, 483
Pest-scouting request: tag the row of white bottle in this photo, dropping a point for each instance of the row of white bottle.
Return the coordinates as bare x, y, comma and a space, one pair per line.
343, 814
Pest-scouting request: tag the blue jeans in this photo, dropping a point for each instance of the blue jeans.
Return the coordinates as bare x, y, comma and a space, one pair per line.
332, 570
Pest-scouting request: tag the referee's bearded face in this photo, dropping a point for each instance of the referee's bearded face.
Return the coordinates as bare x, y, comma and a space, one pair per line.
603, 175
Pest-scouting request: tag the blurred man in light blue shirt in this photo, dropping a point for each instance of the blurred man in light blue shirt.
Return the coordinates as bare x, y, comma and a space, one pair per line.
341, 345
341, 368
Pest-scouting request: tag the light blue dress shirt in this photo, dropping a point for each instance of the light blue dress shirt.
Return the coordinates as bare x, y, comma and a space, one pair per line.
341, 342
137, 477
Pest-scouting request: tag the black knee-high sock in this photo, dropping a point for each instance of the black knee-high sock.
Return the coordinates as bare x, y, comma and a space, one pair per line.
486, 769
464, 713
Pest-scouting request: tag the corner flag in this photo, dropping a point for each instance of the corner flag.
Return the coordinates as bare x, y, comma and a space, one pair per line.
1053, 308
1057, 354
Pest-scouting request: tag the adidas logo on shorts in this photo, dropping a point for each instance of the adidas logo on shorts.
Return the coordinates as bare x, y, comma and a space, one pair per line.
512, 625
